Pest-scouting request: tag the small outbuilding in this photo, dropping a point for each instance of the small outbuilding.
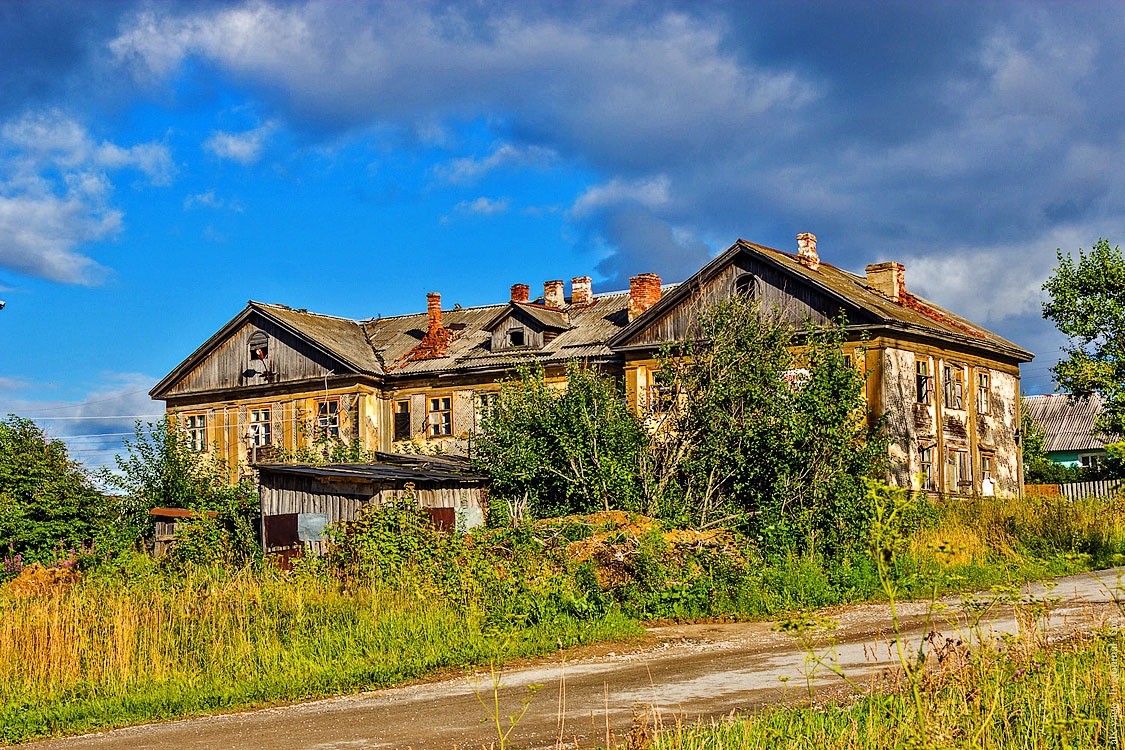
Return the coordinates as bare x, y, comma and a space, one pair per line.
299, 501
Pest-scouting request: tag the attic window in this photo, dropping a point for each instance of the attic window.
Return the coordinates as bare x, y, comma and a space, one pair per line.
516, 338
259, 346
746, 285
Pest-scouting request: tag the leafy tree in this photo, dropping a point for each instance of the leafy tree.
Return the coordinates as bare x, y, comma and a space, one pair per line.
161, 470
557, 449
765, 424
45, 497
1087, 303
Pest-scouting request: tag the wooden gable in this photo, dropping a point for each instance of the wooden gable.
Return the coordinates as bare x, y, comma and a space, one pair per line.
774, 287
226, 362
537, 327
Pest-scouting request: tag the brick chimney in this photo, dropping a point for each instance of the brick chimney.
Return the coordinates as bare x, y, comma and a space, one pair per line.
644, 292
806, 251
520, 292
553, 294
581, 290
888, 278
433, 307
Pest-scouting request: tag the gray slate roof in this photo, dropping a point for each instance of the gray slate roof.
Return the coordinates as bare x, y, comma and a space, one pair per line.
1068, 422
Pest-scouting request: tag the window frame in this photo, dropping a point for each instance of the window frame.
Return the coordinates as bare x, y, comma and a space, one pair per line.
195, 425
264, 348
987, 466
926, 462
445, 416
395, 412
953, 383
328, 423
962, 472
745, 285
255, 435
521, 332
923, 382
483, 401
984, 392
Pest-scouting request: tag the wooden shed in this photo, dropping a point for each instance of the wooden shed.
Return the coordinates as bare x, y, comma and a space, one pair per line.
167, 520
299, 501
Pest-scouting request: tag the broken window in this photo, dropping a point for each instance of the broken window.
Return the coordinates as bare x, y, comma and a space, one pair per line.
486, 402
259, 346
196, 425
516, 338
926, 458
984, 392
923, 381
261, 428
957, 472
660, 393
985, 465
746, 285
402, 419
328, 419
441, 416
953, 376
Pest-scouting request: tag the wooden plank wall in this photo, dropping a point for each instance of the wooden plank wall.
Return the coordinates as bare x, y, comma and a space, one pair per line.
342, 501
229, 366
795, 301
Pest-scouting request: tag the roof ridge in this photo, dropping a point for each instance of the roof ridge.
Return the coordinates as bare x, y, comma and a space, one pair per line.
304, 311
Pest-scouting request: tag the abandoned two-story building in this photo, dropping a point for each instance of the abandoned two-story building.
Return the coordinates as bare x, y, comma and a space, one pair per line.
278, 377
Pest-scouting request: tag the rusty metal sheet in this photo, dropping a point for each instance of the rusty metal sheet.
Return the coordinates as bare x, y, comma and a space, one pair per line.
445, 519
281, 530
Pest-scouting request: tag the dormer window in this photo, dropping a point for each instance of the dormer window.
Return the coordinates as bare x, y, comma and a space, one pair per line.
746, 285
259, 346
516, 338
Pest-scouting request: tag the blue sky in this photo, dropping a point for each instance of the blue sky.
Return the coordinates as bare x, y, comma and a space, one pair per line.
162, 163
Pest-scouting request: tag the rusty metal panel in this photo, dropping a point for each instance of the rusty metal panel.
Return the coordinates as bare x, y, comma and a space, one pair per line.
281, 530
445, 519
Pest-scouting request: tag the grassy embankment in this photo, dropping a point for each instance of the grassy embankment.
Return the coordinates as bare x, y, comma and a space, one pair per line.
125, 647
1015, 695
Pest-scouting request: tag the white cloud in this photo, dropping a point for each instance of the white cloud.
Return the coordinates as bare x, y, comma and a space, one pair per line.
244, 147
210, 200
504, 155
652, 193
55, 194
483, 205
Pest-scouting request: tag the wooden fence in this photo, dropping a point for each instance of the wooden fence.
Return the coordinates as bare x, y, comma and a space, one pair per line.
1077, 490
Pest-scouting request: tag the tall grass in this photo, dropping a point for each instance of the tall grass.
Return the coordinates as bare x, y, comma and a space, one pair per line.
101, 654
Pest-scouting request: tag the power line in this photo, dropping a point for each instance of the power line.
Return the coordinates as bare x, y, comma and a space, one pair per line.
96, 401
112, 416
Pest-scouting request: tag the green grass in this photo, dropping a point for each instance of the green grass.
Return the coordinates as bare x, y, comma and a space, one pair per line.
134, 645
1063, 699
100, 656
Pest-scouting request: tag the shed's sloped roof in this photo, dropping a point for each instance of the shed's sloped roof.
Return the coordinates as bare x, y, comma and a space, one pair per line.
393, 471
1068, 423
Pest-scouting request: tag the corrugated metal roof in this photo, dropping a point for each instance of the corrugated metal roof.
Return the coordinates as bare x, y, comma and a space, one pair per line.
854, 288
1068, 423
375, 472
346, 338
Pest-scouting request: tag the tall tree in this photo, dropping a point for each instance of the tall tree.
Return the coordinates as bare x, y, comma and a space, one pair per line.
45, 497
1087, 303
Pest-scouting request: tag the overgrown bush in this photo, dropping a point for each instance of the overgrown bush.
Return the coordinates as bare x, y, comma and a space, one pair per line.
560, 448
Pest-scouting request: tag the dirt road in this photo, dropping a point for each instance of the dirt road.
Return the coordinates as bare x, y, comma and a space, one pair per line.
692, 670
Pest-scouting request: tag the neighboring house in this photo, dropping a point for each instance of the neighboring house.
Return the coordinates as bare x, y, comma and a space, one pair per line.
275, 376
1070, 435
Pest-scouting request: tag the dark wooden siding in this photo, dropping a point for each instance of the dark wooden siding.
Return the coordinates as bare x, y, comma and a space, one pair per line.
229, 366
533, 333
794, 301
